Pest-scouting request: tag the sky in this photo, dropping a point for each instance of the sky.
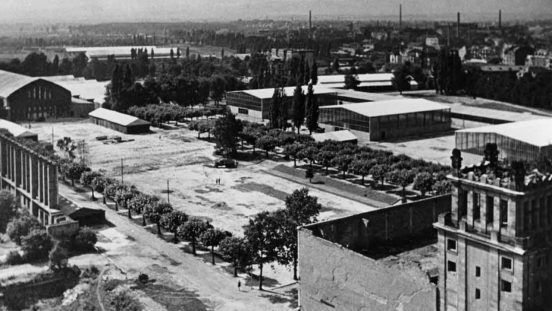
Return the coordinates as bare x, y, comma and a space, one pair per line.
99, 11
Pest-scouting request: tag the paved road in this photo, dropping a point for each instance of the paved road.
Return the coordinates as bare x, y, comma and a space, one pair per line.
217, 288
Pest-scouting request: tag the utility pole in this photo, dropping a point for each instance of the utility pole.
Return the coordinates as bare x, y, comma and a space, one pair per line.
52, 137
121, 171
168, 193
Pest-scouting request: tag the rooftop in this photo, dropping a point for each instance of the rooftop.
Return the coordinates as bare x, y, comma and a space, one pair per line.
344, 135
391, 107
537, 132
15, 129
11, 82
116, 117
267, 93
84, 89
346, 94
366, 80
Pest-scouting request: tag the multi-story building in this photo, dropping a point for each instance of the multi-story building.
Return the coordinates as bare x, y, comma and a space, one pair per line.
494, 245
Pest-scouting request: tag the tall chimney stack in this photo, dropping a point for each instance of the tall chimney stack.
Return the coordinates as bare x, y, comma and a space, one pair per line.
458, 25
500, 19
310, 24
400, 16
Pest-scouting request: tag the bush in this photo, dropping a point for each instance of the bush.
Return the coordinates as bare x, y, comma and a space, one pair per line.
20, 227
14, 258
143, 278
124, 302
84, 240
36, 244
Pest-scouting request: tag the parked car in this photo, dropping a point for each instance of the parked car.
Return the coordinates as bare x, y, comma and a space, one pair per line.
228, 163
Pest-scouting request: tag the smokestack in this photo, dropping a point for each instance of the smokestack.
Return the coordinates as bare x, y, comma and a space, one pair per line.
500, 19
310, 24
458, 25
400, 16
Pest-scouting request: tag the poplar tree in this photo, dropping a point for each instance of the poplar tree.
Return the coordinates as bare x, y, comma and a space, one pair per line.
312, 111
298, 107
275, 109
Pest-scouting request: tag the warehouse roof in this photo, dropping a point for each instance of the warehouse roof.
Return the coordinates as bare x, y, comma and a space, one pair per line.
267, 93
391, 107
341, 136
117, 117
11, 82
15, 129
366, 80
84, 89
535, 132
358, 96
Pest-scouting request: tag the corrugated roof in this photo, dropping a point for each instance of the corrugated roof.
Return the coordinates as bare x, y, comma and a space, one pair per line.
116, 117
365, 96
536, 132
391, 107
15, 129
344, 135
11, 82
267, 93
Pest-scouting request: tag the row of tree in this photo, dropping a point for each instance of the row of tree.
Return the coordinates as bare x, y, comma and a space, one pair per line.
304, 109
158, 114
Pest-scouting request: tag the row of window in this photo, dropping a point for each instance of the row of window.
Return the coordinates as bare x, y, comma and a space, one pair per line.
489, 207
505, 286
39, 93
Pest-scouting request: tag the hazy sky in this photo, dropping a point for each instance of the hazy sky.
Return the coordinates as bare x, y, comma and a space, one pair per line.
181, 10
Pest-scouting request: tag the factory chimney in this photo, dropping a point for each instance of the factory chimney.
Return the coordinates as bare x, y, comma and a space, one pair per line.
400, 16
500, 19
458, 25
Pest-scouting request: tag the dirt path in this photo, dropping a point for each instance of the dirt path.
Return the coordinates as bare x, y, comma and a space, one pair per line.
216, 288
98, 284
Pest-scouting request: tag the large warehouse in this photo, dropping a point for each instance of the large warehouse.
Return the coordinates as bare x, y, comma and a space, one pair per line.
388, 119
255, 104
523, 140
121, 122
27, 98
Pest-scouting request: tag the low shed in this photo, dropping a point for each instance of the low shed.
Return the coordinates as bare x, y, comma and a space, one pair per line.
119, 121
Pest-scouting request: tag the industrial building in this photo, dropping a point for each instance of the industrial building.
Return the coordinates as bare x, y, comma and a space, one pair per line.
28, 98
344, 136
255, 104
388, 119
524, 140
121, 122
371, 82
120, 52
17, 130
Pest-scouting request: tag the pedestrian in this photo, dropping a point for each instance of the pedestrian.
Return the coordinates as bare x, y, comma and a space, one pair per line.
239, 286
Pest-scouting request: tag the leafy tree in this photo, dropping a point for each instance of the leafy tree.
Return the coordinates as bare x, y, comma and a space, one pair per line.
36, 244
8, 209
85, 240
423, 182
351, 81
274, 113
155, 214
266, 143
403, 178
298, 107
98, 184
58, 257
67, 146
442, 187
75, 171
314, 73
172, 221
263, 234
379, 172
192, 230
343, 162
226, 131
211, 238
312, 110
20, 227
309, 174
141, 204
308, 153
236, 250
401, 78
292, 150
87, 179
362, 167
325, 158
302, 207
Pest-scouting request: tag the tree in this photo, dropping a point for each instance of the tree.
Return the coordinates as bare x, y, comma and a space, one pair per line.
192, 229
309, 173
325, 158
362, 167
403, 178
298, 107
308, 153
423, 182
342, 162
58, 257
36, 244
274, 113
314, 73
292, 150
401, 78
226, 131
236, 250
312, 110
8, 208
85, 240
379, 172
211, 238
142, 204
98, 184
67, 146
263, 234
351, 81
87, 179
442, 187
155, 214
266, 143
20, 227
172, 222
74, 171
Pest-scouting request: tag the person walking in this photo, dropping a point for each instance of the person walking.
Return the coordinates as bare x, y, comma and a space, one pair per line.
239, 286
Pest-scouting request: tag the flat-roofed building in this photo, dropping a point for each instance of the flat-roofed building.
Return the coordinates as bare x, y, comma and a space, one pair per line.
121, 52
373, 82
523, 140
119, 121
388, 119
255, 104
17, 130
28, 98
340, 136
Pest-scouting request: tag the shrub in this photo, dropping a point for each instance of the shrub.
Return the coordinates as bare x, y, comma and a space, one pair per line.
20, 227
143, 278
84, 240
36, 244
14, 258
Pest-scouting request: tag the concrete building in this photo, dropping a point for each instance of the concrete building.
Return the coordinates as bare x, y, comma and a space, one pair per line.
493, 245
255, 104
388, 119
385, 259
17, 130
121, 122
27, 98
523, 140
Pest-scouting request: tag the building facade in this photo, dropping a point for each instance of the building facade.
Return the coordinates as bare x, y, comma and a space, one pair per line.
493, 245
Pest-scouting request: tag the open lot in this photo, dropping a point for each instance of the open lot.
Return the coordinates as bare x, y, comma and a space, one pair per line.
177, 156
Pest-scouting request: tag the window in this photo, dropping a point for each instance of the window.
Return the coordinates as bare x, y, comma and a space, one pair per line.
476, 206
451, 245
477, 293
451, 266
503, 212
243, 111
477, 271
490, 208
506, 286
540, 262
506, 263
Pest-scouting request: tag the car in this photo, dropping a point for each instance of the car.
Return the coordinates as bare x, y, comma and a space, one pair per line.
228, 163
